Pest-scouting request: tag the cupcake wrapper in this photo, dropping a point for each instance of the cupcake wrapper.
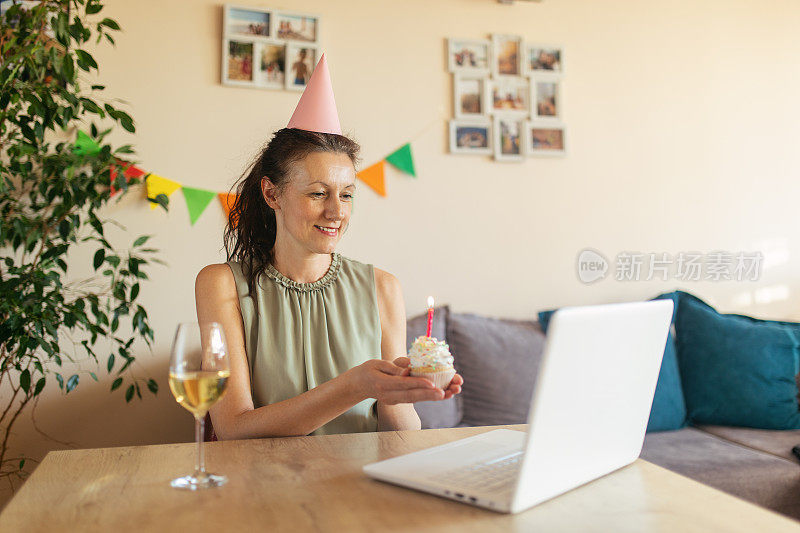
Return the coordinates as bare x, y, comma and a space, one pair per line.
441, 379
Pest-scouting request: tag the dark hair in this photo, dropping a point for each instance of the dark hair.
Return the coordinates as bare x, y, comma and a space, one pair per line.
250, 232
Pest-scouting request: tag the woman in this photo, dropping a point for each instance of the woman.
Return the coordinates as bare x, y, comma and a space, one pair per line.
305, 326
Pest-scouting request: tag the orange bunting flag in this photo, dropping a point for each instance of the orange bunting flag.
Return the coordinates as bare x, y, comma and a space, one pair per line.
227, 200
373, 177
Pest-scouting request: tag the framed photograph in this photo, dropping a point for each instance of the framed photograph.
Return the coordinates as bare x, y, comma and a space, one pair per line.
508, 139
469, 56
297, 27
546, 139
540, 58
510, 96
271, 63
237, 62
506, 55
546, 101
470, 137
469, 96
247, 22
300, 63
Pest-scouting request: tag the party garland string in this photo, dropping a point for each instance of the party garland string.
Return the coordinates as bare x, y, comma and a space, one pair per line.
198, 200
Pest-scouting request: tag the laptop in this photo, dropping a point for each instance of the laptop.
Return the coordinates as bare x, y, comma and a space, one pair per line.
589, 411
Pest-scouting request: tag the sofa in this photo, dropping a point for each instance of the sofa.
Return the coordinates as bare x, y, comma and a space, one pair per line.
499, 361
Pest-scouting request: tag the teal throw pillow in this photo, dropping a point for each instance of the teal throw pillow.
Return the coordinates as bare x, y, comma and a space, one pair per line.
737, 370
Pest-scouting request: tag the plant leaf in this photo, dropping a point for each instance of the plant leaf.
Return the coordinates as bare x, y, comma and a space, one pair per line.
25, 380
72, 382
116, 384
99, 256
86, 58
129, 393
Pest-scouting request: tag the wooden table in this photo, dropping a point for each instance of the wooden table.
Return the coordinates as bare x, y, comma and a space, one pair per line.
316, 484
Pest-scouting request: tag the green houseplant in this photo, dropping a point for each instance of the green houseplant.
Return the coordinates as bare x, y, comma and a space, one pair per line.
52, 191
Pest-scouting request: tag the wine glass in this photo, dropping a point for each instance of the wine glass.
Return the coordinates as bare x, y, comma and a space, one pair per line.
198, 374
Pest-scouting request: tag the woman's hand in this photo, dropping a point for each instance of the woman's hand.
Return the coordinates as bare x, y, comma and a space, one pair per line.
451, 390
390, 384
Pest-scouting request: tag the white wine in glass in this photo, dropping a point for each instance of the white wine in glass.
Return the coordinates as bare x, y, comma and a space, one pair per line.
198, 375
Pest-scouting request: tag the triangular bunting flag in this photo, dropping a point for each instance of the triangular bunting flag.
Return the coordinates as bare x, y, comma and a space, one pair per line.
131, 171
159, 185
401, 158
197, 200
227, 200
373, 176
85, 145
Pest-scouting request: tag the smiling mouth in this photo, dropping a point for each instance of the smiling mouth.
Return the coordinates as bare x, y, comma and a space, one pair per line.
330, 232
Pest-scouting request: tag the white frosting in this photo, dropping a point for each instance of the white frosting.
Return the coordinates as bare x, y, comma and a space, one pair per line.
428, 352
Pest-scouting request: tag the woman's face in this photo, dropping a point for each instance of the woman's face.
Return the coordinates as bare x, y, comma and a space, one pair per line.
313, 209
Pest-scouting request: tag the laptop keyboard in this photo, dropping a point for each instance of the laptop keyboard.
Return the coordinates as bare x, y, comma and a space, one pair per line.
497, 475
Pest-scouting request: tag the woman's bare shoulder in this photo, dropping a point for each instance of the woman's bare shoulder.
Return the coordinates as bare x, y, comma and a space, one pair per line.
386, 284
217, 277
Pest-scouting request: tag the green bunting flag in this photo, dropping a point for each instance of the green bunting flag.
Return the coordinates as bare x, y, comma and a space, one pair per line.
85, 145
401, 158
196, 201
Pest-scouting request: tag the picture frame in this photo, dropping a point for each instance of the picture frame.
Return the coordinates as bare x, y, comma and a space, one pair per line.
270, 65
257, 43
548, 139
470, 96
248, 22
510, 96
300, 28
300, 63
509, 138
542, 59
506, 55
545, 98
469, 56
238, 62
470, 136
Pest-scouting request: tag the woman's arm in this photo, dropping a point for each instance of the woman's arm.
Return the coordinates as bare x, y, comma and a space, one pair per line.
392, 312
393, 346
234, 417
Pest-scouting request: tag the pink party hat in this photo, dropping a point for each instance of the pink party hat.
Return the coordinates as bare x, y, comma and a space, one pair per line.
316, 110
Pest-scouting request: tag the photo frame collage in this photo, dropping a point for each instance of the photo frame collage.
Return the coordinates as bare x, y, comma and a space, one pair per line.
507, 98
268, 49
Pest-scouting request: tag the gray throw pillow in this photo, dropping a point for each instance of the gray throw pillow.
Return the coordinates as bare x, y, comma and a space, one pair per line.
447, 413
499, 360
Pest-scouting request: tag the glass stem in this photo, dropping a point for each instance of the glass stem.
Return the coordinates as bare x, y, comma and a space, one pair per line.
200, 464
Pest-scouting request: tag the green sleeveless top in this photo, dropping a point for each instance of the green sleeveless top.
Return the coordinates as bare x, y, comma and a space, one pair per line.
299, 335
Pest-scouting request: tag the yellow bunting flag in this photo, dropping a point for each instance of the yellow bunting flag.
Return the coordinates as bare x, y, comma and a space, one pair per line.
159, 185
373, 177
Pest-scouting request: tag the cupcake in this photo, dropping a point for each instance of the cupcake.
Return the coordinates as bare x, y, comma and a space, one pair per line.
431, 359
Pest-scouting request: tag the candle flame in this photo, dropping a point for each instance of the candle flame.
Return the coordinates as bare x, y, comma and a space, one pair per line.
430, 301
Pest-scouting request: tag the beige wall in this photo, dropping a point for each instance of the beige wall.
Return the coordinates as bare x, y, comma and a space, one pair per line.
683, 130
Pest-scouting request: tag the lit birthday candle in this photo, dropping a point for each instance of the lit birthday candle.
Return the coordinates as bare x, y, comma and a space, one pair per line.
430, 315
